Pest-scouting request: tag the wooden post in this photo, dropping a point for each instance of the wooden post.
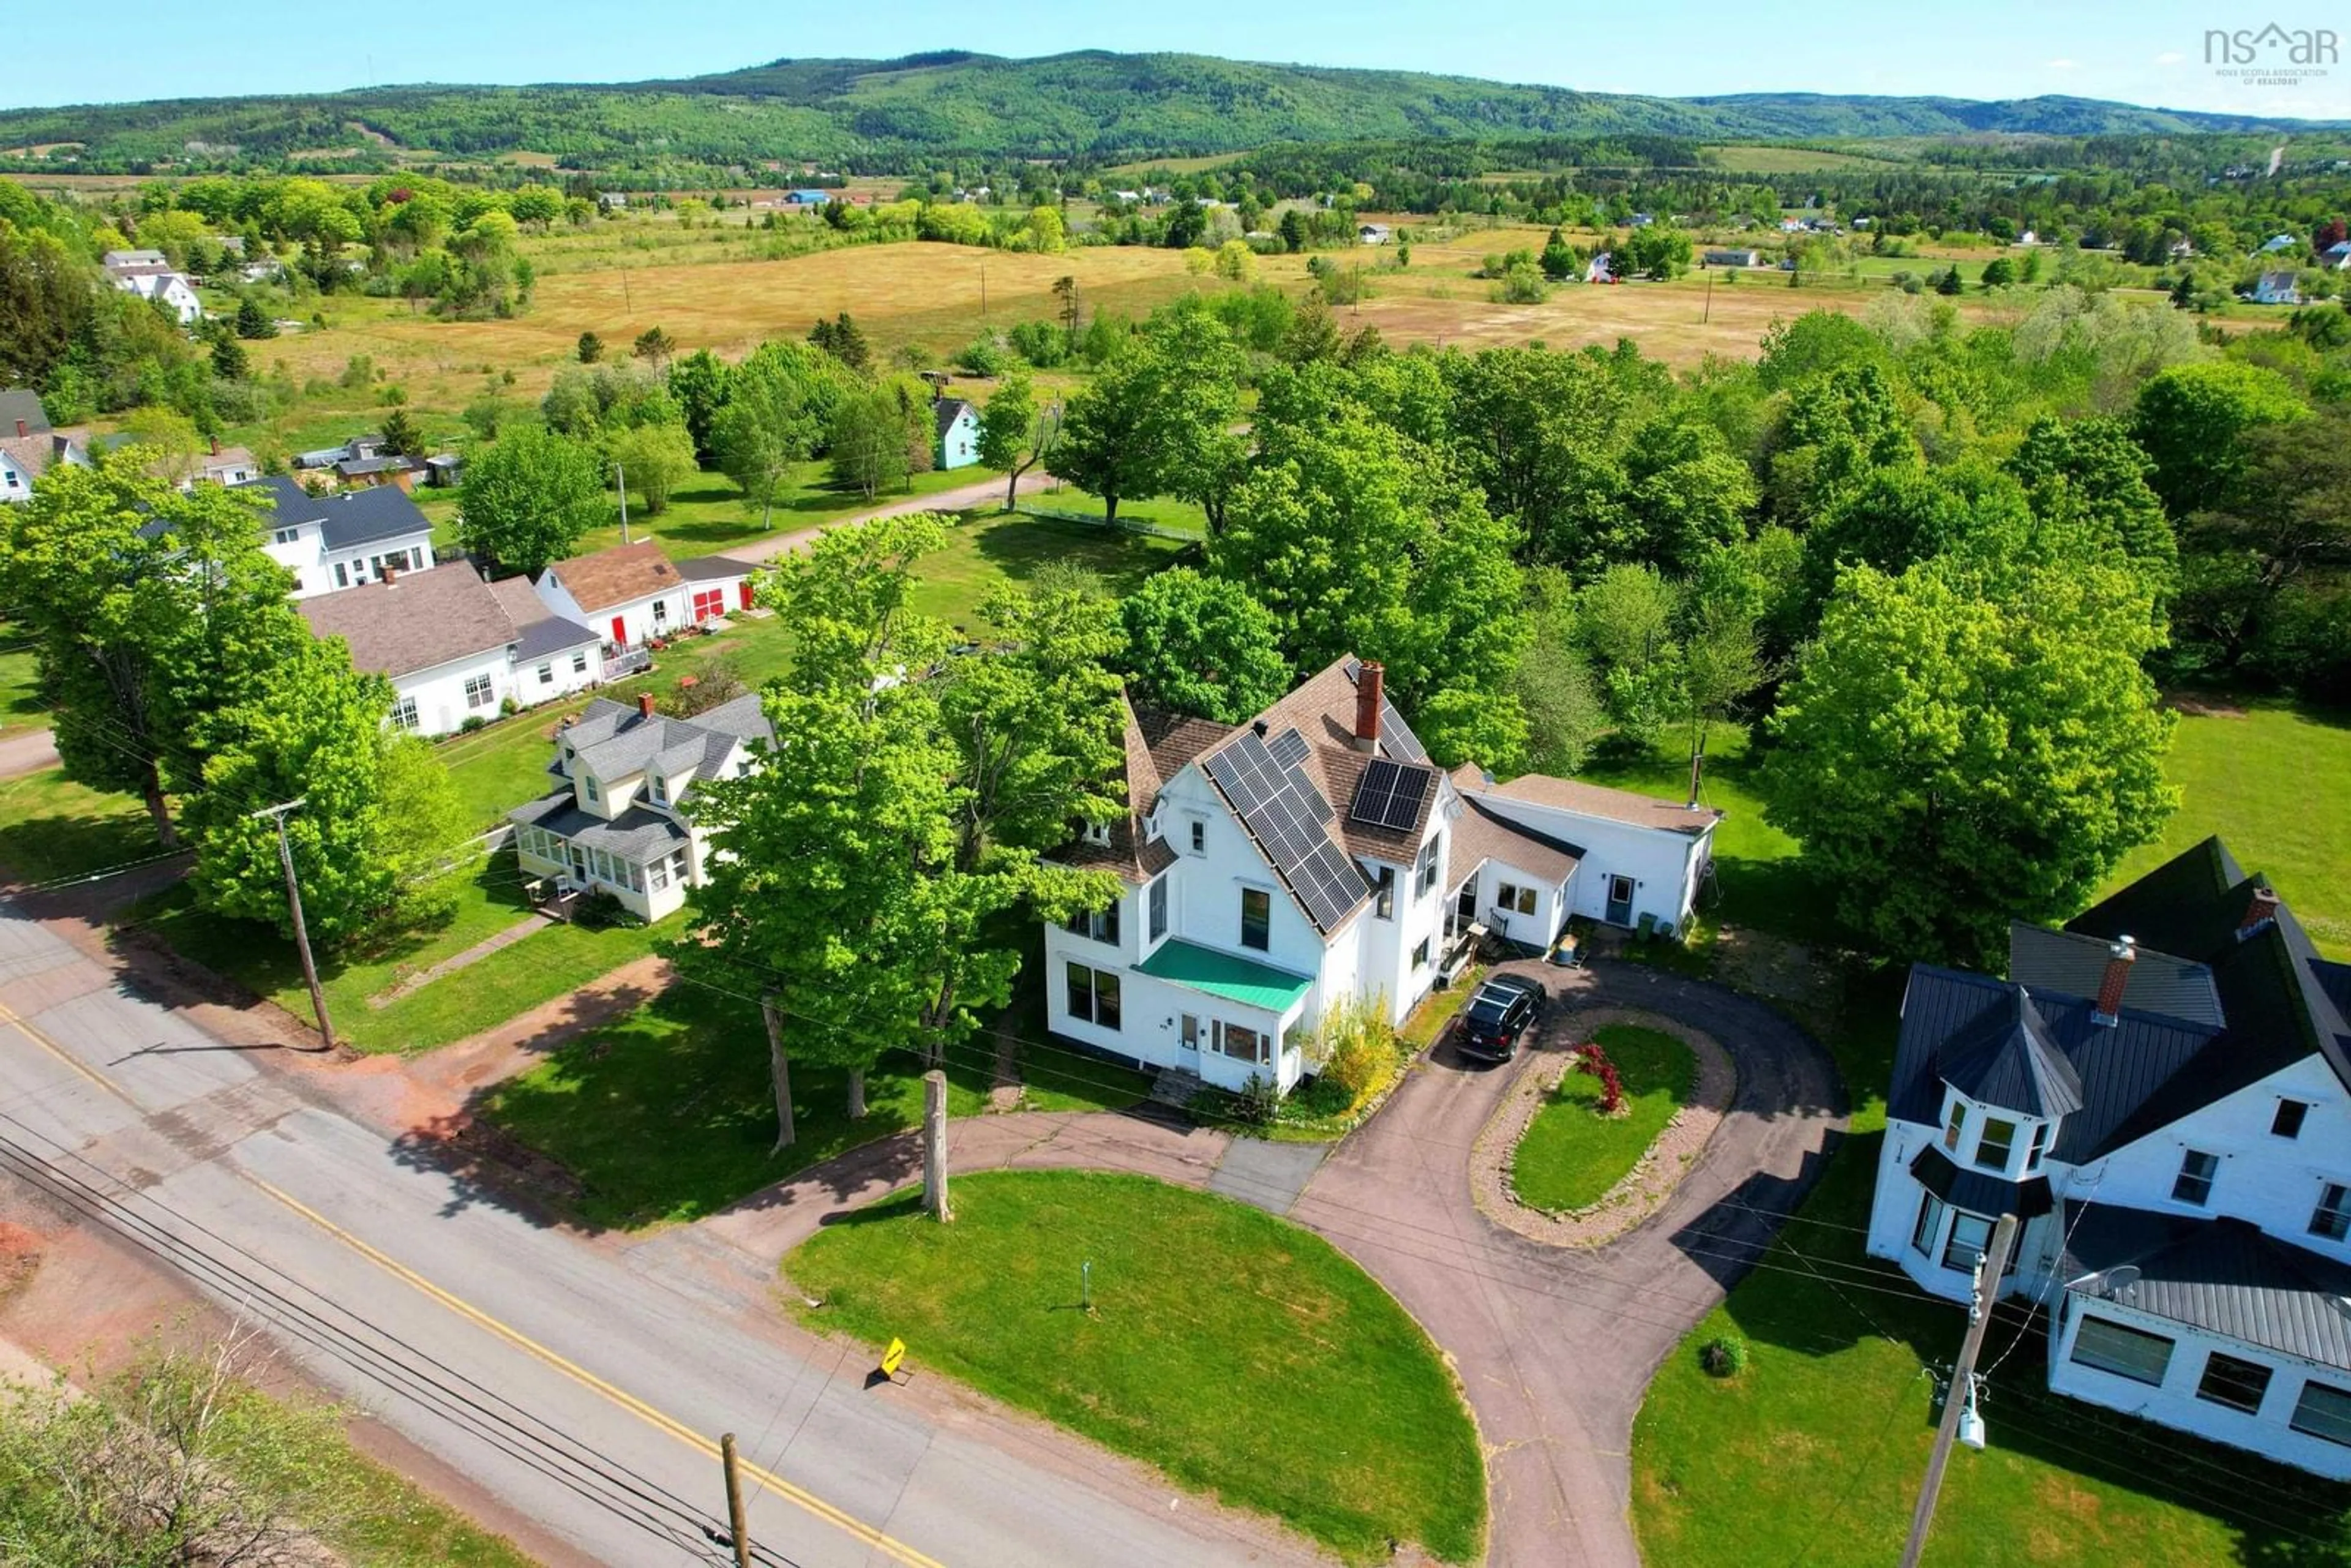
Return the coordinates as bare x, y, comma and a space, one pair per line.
735, 1527
1955, 1402
781, 1066
301, 930
934, 1145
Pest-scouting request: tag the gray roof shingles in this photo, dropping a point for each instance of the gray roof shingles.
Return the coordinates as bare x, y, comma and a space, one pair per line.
345, 522
637, 835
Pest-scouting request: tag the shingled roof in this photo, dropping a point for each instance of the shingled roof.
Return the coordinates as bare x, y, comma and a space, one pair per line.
418, 620
621, 575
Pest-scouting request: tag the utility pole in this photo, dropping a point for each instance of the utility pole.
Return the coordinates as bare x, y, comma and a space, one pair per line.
734, 1525
294, 903
620, 483
935, 1147
1961, 1392
1707, 315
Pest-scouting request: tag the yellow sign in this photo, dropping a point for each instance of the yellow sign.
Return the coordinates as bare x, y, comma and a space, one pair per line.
892, 1356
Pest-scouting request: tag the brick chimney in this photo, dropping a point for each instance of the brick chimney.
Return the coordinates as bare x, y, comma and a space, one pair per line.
2260, 914
391, 574
23, 430
2119, 959
1369, 684
644, 704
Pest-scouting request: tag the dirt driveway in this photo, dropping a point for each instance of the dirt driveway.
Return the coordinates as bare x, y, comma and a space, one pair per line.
1556, 1348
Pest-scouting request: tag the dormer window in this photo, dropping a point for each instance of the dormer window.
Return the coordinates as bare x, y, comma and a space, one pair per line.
2037, 1147
589, 785
1098, 833
1995, 1143
658, 787
1954, 1129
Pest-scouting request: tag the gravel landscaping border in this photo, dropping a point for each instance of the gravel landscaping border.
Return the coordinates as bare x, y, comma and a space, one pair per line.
1645, 1188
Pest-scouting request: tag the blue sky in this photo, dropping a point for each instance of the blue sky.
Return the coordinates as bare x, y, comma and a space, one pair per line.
2145, 53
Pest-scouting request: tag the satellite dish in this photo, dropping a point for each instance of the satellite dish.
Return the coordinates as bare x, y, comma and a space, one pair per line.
2121, 1279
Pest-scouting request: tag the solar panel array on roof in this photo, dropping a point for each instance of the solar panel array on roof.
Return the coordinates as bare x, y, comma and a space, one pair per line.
1285, 814
1396, 735
1288, 749
1389, 795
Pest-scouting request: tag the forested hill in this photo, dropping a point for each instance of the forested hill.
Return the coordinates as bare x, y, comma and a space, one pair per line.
1108, 107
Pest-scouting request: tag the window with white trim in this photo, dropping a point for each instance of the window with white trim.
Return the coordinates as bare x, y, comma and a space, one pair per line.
2323, 1411
1430, 855
1420, 954
2107, 1345
2288, 1123
2332, 1218
1930, 1226
1098, 924
1995, 1143
480, 692
1256, 918
1243, 1044
547, 674
1384, 893
2194, 1183
657, 787
403, 714
579, 663
2235, 1382
1093, 995
1513, 899
1200, 837
285, 536
2037, 1147
1955, 1127
1971, 1234
590, 785
1159, 909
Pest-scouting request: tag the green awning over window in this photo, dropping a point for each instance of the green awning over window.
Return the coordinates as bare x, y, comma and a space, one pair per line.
1236, 979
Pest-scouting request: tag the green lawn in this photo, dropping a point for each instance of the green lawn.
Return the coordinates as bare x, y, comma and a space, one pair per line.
1572, 1155
2276, 784
1242, 1355
989, 548
668, 1114
20, 703
548, 963
51, 827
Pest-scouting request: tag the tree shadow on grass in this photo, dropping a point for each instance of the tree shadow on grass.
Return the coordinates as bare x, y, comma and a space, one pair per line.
1022, 545
72, 843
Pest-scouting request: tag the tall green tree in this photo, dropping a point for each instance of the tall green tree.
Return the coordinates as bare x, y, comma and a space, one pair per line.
1202, 645
876, 433
150, 612
2091, 473
654, 460
2192, 421
779, 405
1952, 760
1015, 433
701, 382
527, 498
378, 811
1157, 419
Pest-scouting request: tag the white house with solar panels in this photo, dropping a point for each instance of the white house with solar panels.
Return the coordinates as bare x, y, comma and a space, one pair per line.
2161, 1094
1316, 854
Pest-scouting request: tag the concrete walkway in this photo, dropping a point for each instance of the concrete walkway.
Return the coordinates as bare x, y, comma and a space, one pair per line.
1270, 1175
1555, 1348
963, 498
480, 950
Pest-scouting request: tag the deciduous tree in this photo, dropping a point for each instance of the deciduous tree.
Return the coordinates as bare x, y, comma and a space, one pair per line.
1016, 434
654, 460
1203, 645
529, 498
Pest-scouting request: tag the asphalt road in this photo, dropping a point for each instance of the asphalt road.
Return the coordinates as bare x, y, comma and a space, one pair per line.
585, 1392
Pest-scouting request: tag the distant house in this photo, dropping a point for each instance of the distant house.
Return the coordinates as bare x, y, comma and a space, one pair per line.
128, 261
2182, 250
441, 636
611, 201
385, 468
637, 595
445, 470
226, 465
2160, 1093
810, 197
21, 412
1641, 220
170, 289
1601, 269
357, 449
2276, 243
2276, 288
25, 458
2027, 237
1732, 258
1129, 197
1373, 234
624, 821
957, 442
335, 542
2339, 254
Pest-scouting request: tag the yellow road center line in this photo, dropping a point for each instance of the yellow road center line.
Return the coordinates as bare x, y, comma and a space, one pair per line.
896, 1550
8, 1017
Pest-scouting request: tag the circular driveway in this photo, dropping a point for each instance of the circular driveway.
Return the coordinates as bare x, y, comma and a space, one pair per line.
1555, 1347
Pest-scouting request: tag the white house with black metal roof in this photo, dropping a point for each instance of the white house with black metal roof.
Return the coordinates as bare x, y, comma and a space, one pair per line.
1316, 855
623, 820
332, 542
2161, 1094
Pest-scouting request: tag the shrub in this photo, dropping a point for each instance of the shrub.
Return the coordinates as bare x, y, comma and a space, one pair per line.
1356, 1046
1521, 284
981, 357
508, 708
1258, 1101
1724, 1356
1045, 344
359, 371
600, 909
1595, 1060
473, 721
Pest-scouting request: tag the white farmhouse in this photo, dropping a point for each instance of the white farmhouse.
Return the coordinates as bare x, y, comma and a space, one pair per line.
1316, 856
333, 542
170, 289
637, 595
2161, 1094
25, 458
624, 821
957, 426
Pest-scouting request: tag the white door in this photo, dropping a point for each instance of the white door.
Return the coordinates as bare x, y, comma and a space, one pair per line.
1188, 1042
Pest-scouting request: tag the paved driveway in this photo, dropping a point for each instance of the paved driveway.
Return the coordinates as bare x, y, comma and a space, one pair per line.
1556, 1346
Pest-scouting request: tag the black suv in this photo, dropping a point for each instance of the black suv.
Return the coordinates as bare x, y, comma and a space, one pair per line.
1499, 1017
